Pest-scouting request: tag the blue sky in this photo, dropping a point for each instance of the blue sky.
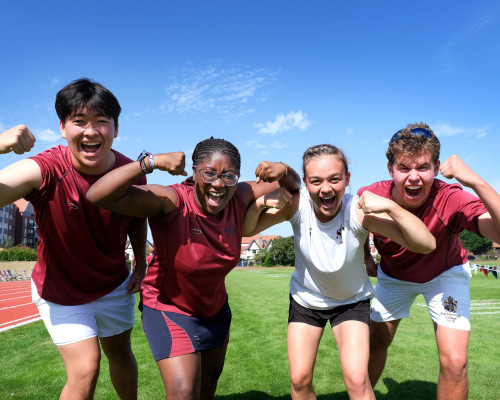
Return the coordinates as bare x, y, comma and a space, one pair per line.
273, 77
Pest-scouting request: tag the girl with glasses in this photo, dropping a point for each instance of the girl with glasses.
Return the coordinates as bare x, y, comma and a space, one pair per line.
197, 229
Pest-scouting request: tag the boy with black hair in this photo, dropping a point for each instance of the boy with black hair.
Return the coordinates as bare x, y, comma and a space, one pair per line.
81, 283
443, 275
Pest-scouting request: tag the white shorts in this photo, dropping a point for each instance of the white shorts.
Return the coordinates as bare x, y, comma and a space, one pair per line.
447, 297
107, 316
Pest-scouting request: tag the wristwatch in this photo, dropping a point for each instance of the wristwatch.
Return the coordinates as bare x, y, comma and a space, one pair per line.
142, 163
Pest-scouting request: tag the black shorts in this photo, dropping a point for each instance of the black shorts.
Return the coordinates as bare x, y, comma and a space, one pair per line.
172, 334
359, 311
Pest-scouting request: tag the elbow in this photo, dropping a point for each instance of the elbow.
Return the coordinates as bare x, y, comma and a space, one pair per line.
425, 248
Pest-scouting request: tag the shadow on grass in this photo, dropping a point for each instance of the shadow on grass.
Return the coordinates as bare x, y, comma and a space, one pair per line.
255, 395
408, 390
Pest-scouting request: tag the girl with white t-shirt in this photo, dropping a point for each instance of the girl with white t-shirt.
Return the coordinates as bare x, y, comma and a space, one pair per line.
330, 282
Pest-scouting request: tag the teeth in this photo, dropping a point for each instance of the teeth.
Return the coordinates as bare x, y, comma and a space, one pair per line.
90, 144
326, 198
216, 194
413, 187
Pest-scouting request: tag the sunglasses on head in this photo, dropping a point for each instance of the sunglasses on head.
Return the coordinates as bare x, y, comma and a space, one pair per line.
415, 131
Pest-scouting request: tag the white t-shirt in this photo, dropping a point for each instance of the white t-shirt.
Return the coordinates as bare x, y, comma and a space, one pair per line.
329, 257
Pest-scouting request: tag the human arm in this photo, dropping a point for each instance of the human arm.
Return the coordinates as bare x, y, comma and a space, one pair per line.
137, 233
268, 210
269, 176
18, 180
116, 192
489, 223
18, 139
371, 267
385, 217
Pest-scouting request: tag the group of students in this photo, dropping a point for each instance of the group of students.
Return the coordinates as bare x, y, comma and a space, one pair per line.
88, 198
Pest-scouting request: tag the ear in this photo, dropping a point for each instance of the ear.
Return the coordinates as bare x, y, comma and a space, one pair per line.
61, 128
389, 168
304, 180
116, 130
347, 179
436, 172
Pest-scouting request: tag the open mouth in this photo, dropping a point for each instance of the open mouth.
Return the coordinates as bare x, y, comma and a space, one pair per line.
327, 202
90, 147
215, 198
413, 191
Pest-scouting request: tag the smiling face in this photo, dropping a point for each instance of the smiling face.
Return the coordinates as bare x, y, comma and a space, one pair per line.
325, 179
90, 136
413, 178
213, 197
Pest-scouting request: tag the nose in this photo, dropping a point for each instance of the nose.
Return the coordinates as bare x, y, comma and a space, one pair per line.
414, 175
325, 187
218, 182
90, 129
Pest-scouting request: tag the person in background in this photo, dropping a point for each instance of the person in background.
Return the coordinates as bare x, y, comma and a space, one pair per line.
330, 282
442, 276
81, 283
197, 228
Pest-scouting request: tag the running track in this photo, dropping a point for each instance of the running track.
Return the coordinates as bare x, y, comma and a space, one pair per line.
16, 307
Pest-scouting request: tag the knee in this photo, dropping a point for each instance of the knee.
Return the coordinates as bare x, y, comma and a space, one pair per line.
357, 383
380, 339
301, 380
454, 365
181, 390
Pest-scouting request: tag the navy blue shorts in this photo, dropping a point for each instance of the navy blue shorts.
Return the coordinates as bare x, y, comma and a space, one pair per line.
359, 311
172, 334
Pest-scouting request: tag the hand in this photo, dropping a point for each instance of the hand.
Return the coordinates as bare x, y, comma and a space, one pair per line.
173, 163
276, 199
268, 171
454, 167
372, 203
136, 278
18, 139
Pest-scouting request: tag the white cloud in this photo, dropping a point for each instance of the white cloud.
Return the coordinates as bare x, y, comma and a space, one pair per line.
54, 82
442, 129
285, 123
228, 91
46, 135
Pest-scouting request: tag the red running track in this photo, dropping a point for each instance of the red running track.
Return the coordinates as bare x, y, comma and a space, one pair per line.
16, 307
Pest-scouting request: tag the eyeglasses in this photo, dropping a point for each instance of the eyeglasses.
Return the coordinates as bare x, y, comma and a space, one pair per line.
415, 131
210, 176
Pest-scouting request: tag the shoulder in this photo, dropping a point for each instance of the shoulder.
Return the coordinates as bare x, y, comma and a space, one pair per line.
382, 188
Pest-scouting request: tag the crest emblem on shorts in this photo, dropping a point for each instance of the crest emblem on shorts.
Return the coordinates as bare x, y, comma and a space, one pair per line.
450, 304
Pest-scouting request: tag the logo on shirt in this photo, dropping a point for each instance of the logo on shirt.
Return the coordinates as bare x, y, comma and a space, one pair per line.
72, 206
450, 304
196, 231
229, 230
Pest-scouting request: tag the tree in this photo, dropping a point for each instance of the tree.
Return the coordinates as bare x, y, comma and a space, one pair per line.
8, 242
475, 243
279, 252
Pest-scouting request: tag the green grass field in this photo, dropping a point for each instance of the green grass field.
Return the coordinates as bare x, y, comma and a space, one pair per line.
256, 366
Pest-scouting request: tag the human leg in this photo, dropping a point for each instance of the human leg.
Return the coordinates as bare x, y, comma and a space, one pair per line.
81, 360
448, 301
212, 364
302, 346
352, 339
453, 346
181, 376
381, 336
122, 364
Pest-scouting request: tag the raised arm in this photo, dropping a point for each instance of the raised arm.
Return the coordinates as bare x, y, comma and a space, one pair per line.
269, 210
385, 217
489, 223
116, 192
18, 139
269, 176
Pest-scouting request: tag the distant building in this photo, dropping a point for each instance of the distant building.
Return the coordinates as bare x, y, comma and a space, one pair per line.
250, 246
7, 222
26, 228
